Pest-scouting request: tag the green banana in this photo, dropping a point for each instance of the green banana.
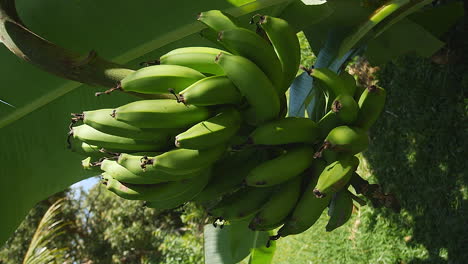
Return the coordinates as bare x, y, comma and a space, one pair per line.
349, 81
371, 104
122, 174
213, 90
345, 108
211, 35
159, 78
183, 196
308, 208
241, 204
340, 209
327, 123
254, 85
351, 140
218, 20
331, 80
103, 121
87, 164
162, 113
278, 207
92, 136
289, 164
148, 192
286, 45
183, 161
198, 58
248, 44
335, 176
86, 149
285, 131
230, 172
209, 133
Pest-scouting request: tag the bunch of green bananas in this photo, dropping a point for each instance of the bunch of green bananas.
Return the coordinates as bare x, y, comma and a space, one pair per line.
223, 140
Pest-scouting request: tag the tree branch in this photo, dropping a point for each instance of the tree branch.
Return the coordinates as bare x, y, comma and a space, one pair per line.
88, 69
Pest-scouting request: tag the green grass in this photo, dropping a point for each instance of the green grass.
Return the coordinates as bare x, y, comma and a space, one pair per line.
418, 152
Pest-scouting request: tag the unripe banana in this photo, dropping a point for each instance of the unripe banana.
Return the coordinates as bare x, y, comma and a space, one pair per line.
159, 78
278, 207
246, 43
345, 108
286, 45
285, 131
213, 90
331, 80
87, 164
335, 176
229, 173
351, 140
103, 121
242, 203
122, 174
92, 136
212, 132
288, 165
85, 149
349, 81
340, 209
254, 85
371, 104
327, 123
309, 208
217, 20
183, 161
201, 59
163, 113
185, 195
148, 192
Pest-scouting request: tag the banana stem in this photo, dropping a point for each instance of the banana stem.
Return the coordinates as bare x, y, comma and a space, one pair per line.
32, 48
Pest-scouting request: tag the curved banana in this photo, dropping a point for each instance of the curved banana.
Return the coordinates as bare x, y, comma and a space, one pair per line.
278, 207
209, 133
345, 108
371, 104
159, 78
349, 139
85, 149
103, 121
183, 161
122, 174
229, 173
201, 59
183, 196
288, 165
340, 210
286, 45
331, 80
254, 85
92, 136
148, 192
327, 123
87, 164
162, 113
217, 20
241, 204
309, 208
213, 90
248, 44
285, 131
335, 176
349, 81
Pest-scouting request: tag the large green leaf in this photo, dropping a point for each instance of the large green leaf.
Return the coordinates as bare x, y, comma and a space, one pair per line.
35, 161
232, 243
